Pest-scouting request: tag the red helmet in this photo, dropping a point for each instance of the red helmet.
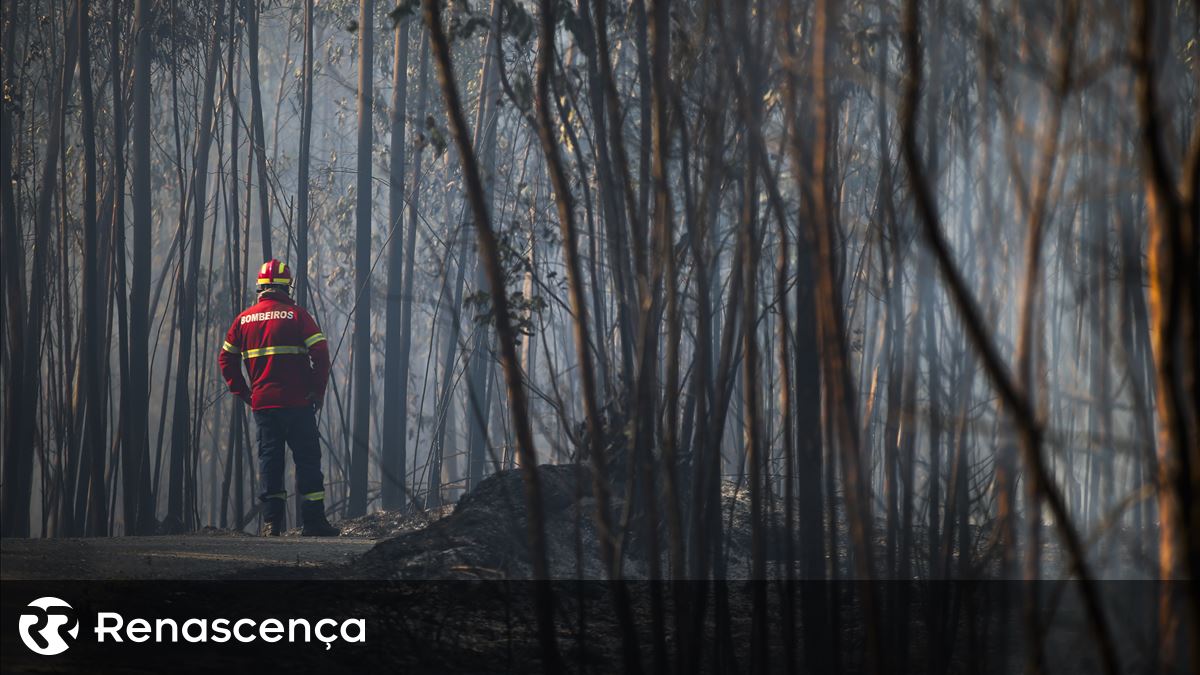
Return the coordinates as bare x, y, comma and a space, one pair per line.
275, 273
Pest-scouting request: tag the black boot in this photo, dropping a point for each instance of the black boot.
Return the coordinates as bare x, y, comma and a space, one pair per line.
274, 517
315, 525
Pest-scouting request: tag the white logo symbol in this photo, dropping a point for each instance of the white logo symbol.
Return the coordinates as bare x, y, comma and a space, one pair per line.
43, 623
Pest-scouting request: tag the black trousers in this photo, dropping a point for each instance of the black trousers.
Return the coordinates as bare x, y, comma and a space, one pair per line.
295, 427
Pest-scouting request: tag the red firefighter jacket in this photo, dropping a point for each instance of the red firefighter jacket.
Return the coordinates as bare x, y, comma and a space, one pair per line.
285, 352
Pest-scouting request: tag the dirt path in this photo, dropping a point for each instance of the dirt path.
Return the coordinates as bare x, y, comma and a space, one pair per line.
194, 556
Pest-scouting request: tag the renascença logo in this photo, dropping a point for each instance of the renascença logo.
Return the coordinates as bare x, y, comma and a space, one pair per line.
46, 619
43, 624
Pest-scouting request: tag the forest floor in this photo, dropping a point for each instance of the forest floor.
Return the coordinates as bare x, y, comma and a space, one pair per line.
192, 556
426, 589
480, 537
210, 553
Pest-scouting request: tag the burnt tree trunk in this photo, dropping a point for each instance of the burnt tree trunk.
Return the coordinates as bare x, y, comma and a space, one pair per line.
360, 452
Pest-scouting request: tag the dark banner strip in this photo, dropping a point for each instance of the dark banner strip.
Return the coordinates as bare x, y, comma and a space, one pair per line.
490, 626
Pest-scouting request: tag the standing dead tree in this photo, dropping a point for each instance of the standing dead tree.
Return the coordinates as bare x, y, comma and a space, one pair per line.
395, 362
1174, 251
252, 17
811, 169
583, 345
93, 342
361, 400
489, 255
187, 293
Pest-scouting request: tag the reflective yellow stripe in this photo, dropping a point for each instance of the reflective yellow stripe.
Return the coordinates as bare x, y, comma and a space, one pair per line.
314, 339
315, 496
272, 351
282, 267
284, 282
265, 268
276, 495
230, 348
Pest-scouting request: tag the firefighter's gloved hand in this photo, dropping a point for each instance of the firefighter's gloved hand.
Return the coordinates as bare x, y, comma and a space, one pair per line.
245, 398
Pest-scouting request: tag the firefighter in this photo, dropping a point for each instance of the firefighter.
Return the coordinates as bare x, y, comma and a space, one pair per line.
287, 357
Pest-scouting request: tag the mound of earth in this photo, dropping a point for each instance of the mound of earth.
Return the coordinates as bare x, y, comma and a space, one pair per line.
486, 536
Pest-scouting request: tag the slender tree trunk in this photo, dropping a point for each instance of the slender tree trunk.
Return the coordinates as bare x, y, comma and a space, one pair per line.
444, 409
251, 9
396, 409
404, 346
1174, 216
137, 459
238, 253
92, 341
485, 143
609, 197
809, 445
302, 188
129, 468
362, 263
579, 310
755, 447
187, 297
811, 172
518, 405
635, 232
699, 233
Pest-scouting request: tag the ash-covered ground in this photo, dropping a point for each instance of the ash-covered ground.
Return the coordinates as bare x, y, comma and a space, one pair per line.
485, 536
